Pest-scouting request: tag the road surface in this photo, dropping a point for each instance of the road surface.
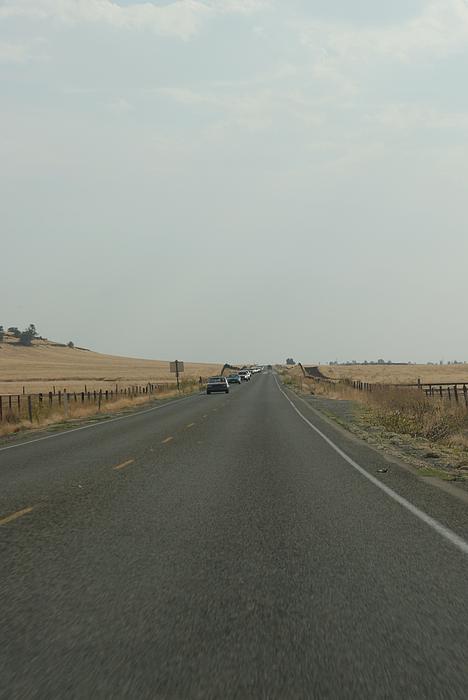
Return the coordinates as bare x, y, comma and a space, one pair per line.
220, 547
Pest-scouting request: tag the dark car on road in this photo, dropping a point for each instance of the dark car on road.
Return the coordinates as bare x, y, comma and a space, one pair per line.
234, 379
217, 384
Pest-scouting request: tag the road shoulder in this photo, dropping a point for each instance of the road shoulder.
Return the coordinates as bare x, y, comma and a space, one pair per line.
444, 501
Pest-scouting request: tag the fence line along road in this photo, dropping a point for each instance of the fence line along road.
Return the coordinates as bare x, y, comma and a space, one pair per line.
16, 407
451, 391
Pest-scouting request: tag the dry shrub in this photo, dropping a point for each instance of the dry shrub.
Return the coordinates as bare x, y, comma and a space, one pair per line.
291, 381
411, 412
331, 390
405, 411
458, 441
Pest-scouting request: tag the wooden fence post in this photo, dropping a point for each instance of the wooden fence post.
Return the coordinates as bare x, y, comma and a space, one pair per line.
30, 408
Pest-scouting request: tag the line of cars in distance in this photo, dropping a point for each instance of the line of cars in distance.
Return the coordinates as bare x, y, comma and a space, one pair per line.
222, 384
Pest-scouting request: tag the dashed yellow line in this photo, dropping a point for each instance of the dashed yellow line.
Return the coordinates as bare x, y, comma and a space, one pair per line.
190, 425
124, 464
15, 516
167, 440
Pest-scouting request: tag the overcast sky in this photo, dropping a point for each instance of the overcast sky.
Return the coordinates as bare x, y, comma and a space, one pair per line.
237, 179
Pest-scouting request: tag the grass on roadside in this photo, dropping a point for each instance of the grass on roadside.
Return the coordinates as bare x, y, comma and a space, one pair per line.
402, 411
45, 417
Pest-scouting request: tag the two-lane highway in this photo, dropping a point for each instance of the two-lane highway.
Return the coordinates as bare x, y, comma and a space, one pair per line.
221, 547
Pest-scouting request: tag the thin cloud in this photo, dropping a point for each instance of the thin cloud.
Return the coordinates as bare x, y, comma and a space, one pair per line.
181, 18
440, 30
20, 52
13, 53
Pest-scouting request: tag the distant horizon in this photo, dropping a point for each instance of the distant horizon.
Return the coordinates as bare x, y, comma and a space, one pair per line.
343, 362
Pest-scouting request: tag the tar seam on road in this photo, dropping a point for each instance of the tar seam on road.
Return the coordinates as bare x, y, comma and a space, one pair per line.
97, 425
168, 439
15, 516
190, 425
445, 532
124, 464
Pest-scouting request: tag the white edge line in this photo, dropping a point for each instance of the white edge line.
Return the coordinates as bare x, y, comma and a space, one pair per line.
443, 531
97, 425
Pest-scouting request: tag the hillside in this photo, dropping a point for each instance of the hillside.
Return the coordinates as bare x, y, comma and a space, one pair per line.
45, 364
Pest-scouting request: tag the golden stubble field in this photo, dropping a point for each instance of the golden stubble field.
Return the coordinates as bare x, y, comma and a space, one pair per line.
396, 374
41, 367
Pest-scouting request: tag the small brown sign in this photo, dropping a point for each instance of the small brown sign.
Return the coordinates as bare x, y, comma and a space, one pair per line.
177, 366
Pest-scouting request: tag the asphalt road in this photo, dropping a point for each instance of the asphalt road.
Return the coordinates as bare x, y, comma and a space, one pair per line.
220, 547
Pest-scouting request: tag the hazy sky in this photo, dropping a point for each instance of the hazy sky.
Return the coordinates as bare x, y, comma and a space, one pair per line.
237, 179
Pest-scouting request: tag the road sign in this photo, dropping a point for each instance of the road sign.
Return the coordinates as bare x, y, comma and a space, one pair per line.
177, 367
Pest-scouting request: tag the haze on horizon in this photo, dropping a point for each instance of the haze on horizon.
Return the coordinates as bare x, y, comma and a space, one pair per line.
236, 179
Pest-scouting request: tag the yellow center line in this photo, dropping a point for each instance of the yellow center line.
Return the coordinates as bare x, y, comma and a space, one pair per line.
167, 440
14, 516
124, 464
190, 425
205, 416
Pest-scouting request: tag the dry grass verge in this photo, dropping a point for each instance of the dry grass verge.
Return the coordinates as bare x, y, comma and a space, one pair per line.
403, 411
411, 412
43, 418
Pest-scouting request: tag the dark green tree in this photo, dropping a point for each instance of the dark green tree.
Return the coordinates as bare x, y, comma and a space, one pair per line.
27, 336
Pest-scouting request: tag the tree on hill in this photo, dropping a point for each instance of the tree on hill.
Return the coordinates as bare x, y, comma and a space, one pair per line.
290, 361
70, 344
27, 336
14, 331
2, 334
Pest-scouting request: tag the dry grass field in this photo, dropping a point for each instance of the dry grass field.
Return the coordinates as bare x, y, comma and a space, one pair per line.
397, 374
44, 365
